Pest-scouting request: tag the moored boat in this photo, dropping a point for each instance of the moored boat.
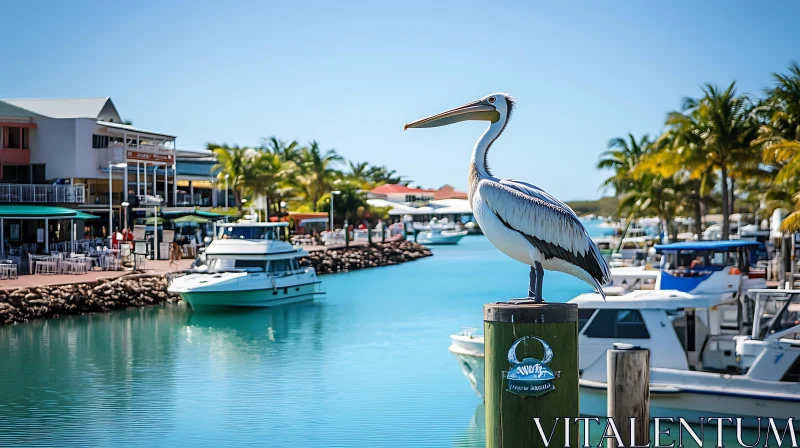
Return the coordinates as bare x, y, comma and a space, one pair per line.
706, 358
248, 265
437, 235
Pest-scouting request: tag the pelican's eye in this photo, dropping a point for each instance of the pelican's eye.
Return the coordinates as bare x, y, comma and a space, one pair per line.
491, 99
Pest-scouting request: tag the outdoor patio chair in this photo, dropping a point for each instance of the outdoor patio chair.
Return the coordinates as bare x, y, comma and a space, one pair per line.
112, 264
139, 261
74, 267
8, 269
46, 267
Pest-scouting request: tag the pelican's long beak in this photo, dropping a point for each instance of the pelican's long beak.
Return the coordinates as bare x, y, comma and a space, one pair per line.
477, 110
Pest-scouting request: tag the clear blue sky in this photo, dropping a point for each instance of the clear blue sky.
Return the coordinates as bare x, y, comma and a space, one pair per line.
350, 74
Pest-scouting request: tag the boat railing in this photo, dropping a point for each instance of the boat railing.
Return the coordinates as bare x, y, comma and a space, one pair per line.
765, 304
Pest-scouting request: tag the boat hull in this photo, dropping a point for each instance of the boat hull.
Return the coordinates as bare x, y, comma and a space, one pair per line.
692, 405
675, 402
431, 240
255, 298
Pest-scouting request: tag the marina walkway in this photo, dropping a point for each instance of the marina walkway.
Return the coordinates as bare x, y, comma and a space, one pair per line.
27, 281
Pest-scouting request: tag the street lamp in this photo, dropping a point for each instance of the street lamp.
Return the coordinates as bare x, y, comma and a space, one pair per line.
334, 192
125, 209
226, 190
111, 166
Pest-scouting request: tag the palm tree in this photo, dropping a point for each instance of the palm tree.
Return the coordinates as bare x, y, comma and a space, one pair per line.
623, 156
729, 127
357, 170
266, 176
779, 140
379, 175
655, 195
233, 161
317, 171
287, 151
350, 202
712, 134
779, 135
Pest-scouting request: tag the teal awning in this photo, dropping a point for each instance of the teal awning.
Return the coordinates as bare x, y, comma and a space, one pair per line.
210, 214
36, 212
82, 215
195, 212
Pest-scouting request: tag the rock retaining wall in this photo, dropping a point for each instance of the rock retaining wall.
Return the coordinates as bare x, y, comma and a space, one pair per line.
23, 304
360, 257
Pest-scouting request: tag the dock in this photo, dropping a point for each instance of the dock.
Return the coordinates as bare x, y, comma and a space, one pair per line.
28, 281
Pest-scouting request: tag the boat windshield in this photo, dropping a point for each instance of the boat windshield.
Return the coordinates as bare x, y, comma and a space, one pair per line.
689, 263
225, 264
248, 233
787, 318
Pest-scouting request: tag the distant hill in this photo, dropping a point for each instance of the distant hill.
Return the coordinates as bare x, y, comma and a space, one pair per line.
602, 207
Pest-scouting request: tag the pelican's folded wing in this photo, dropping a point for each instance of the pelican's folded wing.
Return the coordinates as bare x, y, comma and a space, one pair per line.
547, 223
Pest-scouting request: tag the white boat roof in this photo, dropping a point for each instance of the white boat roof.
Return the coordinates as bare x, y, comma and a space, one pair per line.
634, 272
653, 299
249, 249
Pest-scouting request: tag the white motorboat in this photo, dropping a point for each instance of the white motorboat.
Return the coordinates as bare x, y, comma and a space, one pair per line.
706, 358
248, 265
437, 235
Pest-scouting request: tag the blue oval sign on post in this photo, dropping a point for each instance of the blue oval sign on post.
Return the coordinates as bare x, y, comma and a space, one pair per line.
530, 377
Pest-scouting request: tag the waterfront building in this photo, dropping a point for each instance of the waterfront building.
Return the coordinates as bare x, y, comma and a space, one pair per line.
400, 194
422, 205
70, 152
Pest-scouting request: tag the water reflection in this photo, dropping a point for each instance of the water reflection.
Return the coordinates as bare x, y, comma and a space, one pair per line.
65, 377
475, 435
257, 332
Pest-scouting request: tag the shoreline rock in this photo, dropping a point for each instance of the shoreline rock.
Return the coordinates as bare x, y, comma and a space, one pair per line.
135, 290
354, 258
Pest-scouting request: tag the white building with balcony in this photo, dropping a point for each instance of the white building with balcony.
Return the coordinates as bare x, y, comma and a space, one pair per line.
58, 150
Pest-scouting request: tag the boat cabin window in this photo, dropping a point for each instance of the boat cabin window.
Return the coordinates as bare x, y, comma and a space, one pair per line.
584, 314
282, 266
617, 324
247, 233
690, 263
250, 265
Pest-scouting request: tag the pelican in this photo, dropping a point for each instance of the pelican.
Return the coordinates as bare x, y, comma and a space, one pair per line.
522, 220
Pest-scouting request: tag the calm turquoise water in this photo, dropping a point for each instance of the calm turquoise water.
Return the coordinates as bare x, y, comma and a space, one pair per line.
365, 366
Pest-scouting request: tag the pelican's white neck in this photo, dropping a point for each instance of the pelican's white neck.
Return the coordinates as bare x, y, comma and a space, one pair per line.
481, 150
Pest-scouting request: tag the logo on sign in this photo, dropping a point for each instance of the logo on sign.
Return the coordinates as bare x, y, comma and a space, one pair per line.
530, 377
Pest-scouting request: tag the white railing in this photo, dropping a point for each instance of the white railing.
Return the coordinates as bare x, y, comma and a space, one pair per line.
67, 194
157, 149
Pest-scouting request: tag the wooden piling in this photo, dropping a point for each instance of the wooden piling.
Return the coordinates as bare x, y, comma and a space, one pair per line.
525, 331
628, 369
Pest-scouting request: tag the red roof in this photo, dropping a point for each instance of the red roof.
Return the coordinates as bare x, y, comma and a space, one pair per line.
448, 192
397, 188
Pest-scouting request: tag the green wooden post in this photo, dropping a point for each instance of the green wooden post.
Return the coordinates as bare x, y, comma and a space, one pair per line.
510, 328
383, 231
369, 234
346, 235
